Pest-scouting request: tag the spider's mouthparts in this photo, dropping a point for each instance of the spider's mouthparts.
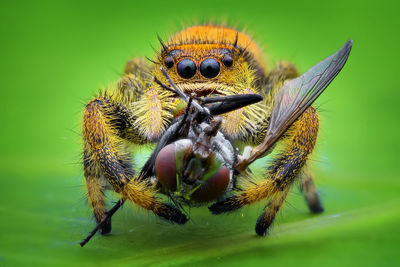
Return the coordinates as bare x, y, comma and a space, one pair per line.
202, 92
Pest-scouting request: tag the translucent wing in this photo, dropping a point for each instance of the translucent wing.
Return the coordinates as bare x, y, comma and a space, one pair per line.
296, 96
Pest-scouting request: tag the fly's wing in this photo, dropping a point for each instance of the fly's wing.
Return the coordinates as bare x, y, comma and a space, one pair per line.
295, 97
298, 94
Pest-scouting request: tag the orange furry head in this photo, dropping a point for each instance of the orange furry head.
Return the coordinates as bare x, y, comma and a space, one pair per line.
215, 60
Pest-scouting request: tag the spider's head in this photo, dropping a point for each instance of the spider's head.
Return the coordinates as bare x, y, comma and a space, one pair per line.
211, 60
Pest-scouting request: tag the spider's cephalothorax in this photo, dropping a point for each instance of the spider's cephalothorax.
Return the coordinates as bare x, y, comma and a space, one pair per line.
197, 159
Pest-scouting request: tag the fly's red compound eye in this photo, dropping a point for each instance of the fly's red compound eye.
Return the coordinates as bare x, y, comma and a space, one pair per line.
213, 187
166, 167
169, 162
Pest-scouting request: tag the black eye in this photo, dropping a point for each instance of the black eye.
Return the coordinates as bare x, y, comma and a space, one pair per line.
169, 62
227, 60
209, 68
186, 68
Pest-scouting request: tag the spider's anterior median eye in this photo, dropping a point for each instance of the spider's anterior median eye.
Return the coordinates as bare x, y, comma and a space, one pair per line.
169, 62
186, 68
209, 68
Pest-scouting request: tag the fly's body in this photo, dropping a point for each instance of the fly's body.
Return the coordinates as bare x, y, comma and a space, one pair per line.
206, 95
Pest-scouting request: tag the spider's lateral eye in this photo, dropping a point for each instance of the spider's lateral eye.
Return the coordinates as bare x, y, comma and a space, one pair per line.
169, 62
227, 60
186, 68
209, 68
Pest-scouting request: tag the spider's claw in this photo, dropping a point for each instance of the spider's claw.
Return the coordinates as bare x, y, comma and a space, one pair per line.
316, 207
262, 226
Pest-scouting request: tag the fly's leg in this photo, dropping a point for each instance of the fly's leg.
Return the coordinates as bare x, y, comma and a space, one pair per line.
309, 190
298, 143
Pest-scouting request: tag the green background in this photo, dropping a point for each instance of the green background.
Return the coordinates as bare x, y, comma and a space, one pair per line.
55, 56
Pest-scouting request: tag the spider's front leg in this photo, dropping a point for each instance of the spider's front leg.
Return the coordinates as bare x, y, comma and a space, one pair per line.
298, 143
294, 120
108, 126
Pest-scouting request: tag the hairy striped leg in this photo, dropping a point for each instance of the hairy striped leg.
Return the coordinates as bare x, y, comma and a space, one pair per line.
309, 190
297, 145
103, 151
95, 189
266, 219
293, 116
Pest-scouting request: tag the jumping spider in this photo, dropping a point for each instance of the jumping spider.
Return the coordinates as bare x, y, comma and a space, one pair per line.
207, 96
